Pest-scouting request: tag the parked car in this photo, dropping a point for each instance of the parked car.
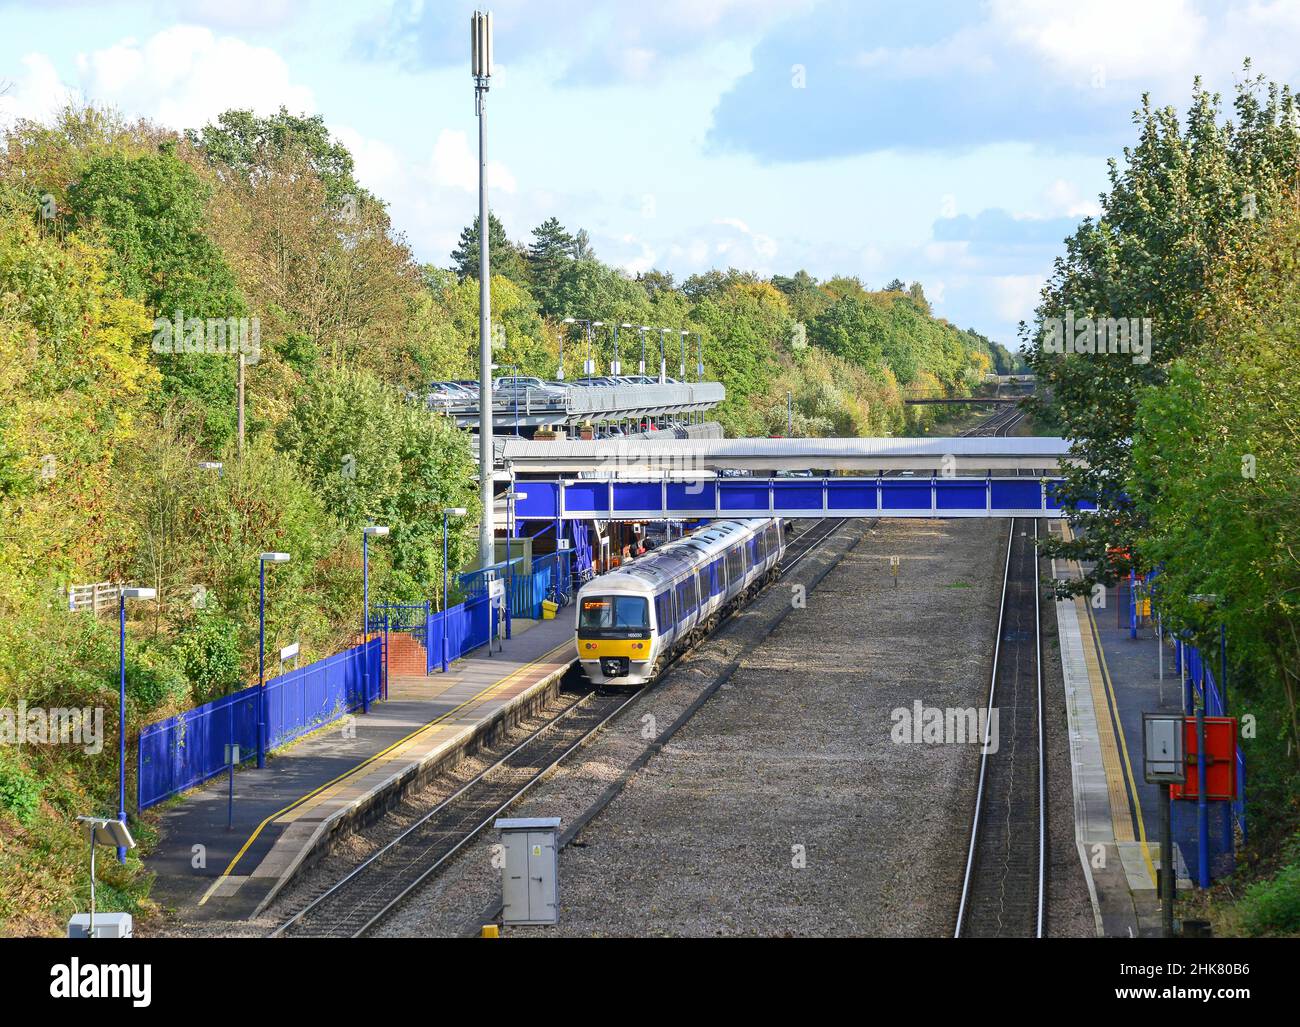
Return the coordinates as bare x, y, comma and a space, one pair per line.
526, 385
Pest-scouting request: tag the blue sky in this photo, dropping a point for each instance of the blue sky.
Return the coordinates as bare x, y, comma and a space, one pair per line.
952, 142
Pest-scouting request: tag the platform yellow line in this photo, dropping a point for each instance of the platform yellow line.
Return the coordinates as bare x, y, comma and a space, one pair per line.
1128, 765
225, 874
1103, 692
1120, 817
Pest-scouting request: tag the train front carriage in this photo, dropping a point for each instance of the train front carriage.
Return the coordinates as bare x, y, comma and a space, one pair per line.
631, 622
615, 638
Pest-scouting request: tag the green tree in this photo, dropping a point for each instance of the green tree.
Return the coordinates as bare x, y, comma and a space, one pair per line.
1183, 197
505, 257
550, 251
151, 211
246, 144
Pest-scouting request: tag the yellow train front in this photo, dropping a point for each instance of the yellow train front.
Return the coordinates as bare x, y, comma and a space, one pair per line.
632, 621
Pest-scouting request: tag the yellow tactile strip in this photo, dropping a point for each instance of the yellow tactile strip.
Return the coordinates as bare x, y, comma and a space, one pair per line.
316, 794
1120, 815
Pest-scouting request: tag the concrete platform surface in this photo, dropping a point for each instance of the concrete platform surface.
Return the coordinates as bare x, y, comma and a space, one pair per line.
285, 813
1110, 680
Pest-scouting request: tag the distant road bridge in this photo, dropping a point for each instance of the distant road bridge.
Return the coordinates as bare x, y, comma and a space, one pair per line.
1008, 389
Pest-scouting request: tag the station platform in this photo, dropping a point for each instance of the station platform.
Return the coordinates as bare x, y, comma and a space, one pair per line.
1110, 680
339, 777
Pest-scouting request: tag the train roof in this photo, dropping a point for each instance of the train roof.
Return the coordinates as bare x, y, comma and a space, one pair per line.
675, 558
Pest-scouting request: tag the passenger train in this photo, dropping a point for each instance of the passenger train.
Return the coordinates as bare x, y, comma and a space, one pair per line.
631, 621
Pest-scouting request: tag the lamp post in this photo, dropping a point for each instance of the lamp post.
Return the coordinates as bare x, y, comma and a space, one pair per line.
512, 497
448, 512
481, 69
699, 357
589, 365
617, 365
1202, 803
642, 330
262, 561
123, 596
559, 375
663, 355
684, 333
590, 368
376, 531
789, 415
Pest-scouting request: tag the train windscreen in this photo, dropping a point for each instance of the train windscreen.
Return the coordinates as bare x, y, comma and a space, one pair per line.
602, 613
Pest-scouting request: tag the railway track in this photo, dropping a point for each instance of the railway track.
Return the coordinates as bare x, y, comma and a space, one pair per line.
807, 542
999, 425
374, 888
1004, 886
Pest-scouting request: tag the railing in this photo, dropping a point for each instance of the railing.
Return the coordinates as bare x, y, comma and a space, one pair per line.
185, 750
468, 625
102, 595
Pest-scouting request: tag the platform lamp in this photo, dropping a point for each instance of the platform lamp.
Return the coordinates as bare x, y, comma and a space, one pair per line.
122, 596
559, 374
617, 365
591, 334
663, 355
684, 333
642, 329
367, 533
447, 513
262, 561
512, 497
1208, 600
699, 356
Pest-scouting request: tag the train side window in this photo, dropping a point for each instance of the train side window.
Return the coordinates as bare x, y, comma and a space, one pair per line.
664, 610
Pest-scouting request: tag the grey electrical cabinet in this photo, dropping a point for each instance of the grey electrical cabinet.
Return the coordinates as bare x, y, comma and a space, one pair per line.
107, 925
530, 877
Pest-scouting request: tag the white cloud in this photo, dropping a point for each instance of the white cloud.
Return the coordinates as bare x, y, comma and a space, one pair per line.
1015, 296
455, 164
37, 93
1064, 199
430, 200
1125, 39
184, 76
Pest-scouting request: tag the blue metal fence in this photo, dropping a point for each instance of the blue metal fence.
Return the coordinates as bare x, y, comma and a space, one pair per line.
189, 748
469, 625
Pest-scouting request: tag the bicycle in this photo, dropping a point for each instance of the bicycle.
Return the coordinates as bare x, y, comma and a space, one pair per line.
559, 596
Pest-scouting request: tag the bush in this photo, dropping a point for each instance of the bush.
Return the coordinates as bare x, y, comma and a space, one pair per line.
20, 792
1273, 907
153, 680
209, 655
